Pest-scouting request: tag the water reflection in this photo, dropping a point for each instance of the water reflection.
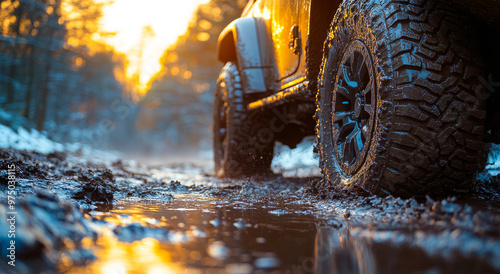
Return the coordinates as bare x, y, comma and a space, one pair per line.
355, 250
337, 252
204, 235
196, 234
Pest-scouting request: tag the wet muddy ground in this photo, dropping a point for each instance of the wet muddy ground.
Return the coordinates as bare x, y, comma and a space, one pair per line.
77, 215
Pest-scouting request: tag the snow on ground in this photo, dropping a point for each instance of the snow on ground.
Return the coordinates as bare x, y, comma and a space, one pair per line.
13, 134
27, 140
32, 140
298, 162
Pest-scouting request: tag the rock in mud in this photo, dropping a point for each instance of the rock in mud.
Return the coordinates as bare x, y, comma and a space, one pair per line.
98, 188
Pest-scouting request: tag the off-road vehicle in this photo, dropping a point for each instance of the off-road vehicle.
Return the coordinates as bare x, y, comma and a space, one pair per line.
400, 93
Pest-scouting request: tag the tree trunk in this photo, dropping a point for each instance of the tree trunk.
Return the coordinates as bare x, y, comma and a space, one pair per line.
29, 87
42, 107
11, 89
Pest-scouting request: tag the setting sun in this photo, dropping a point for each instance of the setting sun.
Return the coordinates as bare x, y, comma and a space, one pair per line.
144, 30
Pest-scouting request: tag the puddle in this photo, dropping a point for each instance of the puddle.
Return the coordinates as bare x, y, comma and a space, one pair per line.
196, 234
353, 250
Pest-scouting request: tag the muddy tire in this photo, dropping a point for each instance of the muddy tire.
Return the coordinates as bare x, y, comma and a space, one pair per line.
240, 148
398, 111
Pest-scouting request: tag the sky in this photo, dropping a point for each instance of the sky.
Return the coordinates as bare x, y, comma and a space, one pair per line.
167, 20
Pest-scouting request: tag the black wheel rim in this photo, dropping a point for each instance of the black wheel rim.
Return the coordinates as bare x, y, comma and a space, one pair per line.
354, 103
220, 123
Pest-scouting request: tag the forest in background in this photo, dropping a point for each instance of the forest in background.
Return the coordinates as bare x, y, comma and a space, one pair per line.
177, 110
55, 78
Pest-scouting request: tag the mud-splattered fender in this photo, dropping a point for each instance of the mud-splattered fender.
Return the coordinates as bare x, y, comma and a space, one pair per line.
239, 42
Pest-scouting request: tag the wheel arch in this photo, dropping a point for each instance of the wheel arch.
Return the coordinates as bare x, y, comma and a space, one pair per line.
226, 51
239, 43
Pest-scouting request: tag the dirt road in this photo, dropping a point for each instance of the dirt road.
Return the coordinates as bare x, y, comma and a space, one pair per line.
77, 215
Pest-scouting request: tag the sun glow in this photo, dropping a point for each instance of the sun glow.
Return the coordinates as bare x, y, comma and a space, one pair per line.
143, 31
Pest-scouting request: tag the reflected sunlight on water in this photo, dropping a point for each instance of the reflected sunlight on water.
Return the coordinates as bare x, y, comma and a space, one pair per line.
199, 234
195, 234
145, 256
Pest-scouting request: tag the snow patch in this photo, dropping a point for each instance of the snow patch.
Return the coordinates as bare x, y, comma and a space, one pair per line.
27, 140
298, 162
33, 140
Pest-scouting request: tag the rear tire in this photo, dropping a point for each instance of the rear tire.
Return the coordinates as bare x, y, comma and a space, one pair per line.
240, 148
416, 124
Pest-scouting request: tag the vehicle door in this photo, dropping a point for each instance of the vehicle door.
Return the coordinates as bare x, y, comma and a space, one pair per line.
286, 36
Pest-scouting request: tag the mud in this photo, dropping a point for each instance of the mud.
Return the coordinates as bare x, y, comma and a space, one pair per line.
98, 188
47, 232
87, 216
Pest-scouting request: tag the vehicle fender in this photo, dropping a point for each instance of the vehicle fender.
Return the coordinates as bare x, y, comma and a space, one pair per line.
239, 42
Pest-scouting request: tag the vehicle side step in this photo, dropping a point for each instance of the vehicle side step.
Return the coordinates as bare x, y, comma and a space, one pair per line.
299, 91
